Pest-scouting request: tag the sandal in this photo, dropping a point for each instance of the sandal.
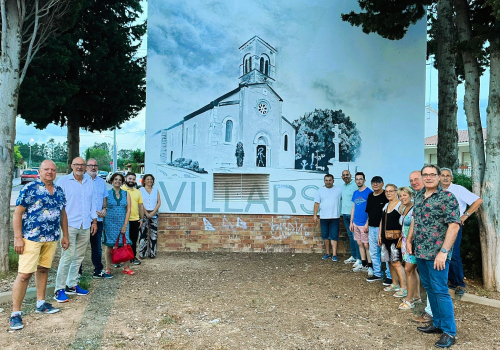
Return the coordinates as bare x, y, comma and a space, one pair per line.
129, 272
392, 288
406, 305
400, 293
417, 300
108, 271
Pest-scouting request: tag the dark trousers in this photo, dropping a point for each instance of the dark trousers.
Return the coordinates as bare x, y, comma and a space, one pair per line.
456, 273
133, 231
96, 248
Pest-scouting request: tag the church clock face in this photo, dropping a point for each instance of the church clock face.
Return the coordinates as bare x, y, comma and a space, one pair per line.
263, 108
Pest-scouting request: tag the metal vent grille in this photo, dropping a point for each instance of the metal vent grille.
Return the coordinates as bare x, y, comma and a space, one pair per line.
241, 187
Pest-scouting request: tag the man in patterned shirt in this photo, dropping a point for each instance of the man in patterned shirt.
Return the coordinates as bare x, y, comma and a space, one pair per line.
436, 221
38, 215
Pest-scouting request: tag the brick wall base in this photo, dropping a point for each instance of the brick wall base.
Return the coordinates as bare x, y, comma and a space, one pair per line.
243, 233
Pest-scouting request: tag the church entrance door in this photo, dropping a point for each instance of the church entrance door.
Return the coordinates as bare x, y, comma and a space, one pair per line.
261, 156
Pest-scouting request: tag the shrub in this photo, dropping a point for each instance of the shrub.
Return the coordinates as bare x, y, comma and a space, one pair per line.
470, 248
62, 167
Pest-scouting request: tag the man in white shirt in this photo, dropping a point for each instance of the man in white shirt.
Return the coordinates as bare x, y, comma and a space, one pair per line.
82, 222
348, 189
464, 197
328, 198
101, 203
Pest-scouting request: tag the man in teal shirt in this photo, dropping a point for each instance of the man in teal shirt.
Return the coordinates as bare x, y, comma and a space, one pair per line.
348, 189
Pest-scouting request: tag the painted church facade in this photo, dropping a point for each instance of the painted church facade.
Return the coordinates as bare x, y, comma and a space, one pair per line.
250, 114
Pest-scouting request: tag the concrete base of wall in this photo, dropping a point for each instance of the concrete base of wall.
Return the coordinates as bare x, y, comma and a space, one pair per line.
6, 297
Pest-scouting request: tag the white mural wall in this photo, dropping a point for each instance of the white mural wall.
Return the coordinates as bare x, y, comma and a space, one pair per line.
249, 106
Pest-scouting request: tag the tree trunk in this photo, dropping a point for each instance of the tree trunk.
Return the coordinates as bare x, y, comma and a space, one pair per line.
490, 215
447, 148
73, 139
471, 99
10, 60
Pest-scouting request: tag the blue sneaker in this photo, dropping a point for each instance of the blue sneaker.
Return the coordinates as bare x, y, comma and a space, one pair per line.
76, 290
335, 259
16, 322
102, 274
60, 296
326, 256
46, 308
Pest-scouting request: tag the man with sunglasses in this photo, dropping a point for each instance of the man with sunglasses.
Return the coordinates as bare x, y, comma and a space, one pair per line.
101, 201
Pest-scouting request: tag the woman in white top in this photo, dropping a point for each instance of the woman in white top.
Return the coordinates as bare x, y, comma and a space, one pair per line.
152, 202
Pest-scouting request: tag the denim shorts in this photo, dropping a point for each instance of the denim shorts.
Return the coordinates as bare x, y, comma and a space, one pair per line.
330, 229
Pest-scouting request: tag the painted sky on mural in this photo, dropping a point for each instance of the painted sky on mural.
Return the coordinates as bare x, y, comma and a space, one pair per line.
193, 56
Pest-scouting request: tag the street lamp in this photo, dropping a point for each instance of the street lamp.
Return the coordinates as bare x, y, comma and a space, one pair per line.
114, 149
29, 163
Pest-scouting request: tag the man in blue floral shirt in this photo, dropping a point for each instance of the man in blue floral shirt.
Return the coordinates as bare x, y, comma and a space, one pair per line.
40, 211
436, 221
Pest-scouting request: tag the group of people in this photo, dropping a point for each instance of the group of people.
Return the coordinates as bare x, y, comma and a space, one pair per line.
82, 209
416, 231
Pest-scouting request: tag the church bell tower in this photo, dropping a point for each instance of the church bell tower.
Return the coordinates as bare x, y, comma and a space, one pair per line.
257, 62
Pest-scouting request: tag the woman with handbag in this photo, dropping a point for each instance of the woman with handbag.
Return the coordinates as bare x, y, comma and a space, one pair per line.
116, 222
405, 195
388, 239
152, 202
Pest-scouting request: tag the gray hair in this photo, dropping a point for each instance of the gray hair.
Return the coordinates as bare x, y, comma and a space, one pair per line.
448, 169
438, 169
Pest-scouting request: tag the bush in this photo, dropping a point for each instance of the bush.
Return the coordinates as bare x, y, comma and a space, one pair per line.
13, 259
62, 167
470, 248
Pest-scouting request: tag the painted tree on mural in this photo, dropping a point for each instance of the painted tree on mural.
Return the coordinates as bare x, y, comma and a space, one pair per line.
314, 135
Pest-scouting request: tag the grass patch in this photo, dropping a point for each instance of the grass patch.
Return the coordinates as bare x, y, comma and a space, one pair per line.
13, 259
85, 281
168, 320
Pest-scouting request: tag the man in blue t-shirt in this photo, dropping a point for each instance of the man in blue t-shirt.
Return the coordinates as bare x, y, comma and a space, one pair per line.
359, 219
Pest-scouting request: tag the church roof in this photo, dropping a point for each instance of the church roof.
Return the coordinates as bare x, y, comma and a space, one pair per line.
463, 136
262, 40
288, 122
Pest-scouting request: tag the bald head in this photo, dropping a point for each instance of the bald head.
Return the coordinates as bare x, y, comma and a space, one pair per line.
416, 180
346, 176
79, 166
47, 171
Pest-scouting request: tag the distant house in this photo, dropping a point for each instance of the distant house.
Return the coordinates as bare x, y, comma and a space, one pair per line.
430, 150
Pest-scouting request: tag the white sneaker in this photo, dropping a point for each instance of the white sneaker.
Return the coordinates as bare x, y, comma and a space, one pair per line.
357, 268
357, 263
351, 260
370, 272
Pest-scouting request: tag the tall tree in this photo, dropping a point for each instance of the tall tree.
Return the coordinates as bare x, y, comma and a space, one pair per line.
98, 68
25, 26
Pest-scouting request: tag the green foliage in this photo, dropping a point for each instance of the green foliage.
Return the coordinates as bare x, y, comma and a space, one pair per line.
135, 168
13, 259
18, 158
138, 156
389, 19
470, 248
89, 74
61, 167
39, 152
100, 155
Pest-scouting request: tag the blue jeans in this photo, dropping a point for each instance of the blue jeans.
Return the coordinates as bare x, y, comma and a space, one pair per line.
456, 274
436, 284
375, 253
352, 243
330, 229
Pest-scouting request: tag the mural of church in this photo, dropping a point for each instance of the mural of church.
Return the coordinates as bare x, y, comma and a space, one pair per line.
250, 115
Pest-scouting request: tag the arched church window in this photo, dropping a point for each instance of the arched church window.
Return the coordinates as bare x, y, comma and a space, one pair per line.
267, 68
245, 66
250, 63
194, 134
285, 143
229, 131
262, 64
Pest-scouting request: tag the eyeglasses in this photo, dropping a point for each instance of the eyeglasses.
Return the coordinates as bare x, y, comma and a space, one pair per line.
92, 165
446, 176
79, 165
429, 175
390, 191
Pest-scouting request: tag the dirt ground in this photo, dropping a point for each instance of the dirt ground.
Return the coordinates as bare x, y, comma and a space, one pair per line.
239, 301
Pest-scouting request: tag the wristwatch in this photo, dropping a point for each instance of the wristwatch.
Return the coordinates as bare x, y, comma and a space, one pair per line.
467, 214
444, 251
